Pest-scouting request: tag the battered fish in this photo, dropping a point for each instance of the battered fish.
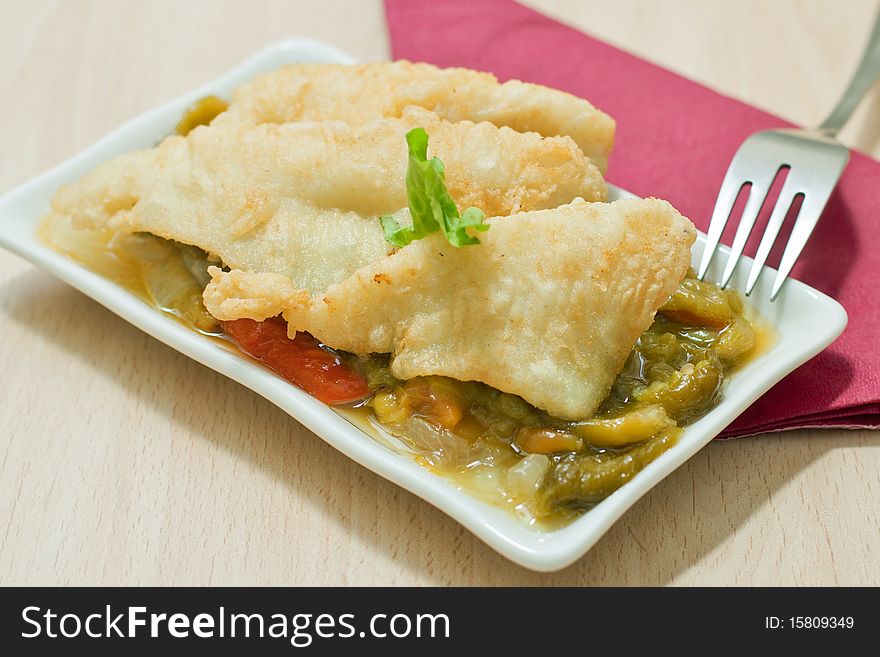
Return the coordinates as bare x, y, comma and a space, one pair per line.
357, 93
547, 307
302, 199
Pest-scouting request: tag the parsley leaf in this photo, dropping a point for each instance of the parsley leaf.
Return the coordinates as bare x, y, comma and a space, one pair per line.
430, 204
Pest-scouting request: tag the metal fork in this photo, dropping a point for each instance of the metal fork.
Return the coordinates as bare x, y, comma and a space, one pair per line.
815, 162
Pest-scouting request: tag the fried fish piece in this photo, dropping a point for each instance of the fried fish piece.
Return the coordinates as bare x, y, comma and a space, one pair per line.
355, 93
302, 199
547, 307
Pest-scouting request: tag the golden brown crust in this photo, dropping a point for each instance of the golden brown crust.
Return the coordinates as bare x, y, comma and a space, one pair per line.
363, 92
253, 295
302, 199
547, 307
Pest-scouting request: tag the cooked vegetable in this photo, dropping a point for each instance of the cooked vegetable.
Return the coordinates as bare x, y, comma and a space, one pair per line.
439, 446
202, 113
583, 480
435, 398
700, 303
633, 427
168, 279
430, 205
300, 360
197, 262
391, 407
374, 368
524, 479
687, 393
735, 341
540, 440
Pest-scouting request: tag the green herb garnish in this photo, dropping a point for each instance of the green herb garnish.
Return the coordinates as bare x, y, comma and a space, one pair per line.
430, 204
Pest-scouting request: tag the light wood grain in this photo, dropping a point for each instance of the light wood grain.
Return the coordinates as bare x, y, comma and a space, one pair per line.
125, 463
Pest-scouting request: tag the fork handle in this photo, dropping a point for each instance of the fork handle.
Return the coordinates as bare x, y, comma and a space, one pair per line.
865, 75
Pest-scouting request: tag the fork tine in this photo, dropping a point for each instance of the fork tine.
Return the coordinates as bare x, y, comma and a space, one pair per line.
757, 196
730, 188
808, 216
817, 192
783, 203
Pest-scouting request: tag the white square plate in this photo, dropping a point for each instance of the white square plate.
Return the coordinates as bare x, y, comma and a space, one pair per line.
807, 321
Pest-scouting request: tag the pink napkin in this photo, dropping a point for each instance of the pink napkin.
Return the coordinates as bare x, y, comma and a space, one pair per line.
675, 139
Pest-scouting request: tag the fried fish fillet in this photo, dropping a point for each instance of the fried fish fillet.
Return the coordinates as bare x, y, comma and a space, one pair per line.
302, 199
357, 93
547, 307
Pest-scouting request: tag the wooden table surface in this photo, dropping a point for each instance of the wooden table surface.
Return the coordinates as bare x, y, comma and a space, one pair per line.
124, 462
